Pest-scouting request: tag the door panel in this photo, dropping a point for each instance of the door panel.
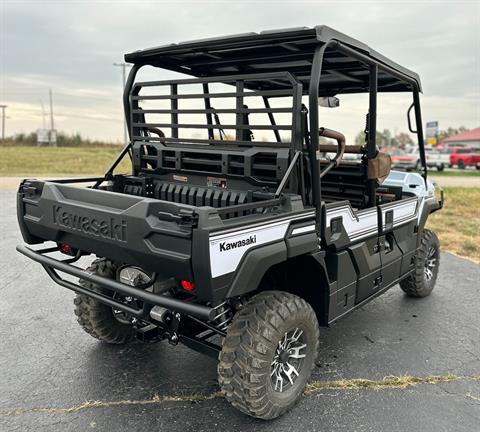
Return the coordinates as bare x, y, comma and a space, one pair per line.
391, 258
366, 257
397, 238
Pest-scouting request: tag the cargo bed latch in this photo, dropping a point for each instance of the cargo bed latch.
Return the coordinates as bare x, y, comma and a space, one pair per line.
184, 217
27, 188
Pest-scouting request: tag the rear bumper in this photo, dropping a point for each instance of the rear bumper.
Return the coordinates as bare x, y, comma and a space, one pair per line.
52, 266
404, 165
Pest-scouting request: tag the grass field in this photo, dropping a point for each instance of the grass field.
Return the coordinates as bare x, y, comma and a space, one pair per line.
38, 161
31, 160
458, 223
469, 172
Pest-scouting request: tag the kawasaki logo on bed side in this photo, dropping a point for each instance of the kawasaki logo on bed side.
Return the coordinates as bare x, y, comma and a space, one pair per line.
106, 228
238, 244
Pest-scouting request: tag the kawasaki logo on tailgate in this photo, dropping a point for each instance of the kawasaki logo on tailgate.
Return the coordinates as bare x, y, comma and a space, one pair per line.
226, 246
110, 228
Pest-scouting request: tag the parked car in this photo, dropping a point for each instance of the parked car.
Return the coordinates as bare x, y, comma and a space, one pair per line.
401, 159
463, 157
434, 158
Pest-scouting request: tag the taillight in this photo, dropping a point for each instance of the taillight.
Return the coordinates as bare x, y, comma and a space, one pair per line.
188, 285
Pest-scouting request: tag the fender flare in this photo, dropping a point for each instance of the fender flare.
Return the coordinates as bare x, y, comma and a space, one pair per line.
430, 205
254, 266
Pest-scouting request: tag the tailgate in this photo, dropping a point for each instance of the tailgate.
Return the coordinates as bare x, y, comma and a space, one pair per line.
155, 235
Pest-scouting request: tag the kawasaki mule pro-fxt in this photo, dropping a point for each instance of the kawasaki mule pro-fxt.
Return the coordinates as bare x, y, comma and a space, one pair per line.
245, 224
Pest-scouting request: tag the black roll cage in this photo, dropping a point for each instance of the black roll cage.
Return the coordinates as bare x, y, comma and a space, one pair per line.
374, 64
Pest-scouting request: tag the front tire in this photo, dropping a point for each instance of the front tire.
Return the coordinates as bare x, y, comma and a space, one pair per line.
440, 167
427, 262
269, 354
98, 319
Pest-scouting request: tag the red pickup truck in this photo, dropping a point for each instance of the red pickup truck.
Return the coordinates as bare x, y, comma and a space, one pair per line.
464, 157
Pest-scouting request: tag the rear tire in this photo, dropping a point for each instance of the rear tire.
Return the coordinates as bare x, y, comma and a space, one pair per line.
98, 319
427, 262
274, 333
440, 167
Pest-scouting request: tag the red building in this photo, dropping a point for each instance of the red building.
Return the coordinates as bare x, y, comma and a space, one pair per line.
469, 138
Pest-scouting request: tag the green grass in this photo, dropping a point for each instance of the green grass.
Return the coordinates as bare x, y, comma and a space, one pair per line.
38, 161
455, 173
458, 223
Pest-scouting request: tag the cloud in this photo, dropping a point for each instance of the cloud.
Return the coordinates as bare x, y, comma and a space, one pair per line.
71, 46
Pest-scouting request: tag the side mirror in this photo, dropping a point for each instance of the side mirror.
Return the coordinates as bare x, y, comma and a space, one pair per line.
329, 102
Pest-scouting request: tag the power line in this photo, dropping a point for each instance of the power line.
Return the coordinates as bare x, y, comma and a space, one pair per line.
43, 113
27, 92
86, 117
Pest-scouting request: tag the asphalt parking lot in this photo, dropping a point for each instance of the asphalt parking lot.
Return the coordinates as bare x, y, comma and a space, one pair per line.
50, 368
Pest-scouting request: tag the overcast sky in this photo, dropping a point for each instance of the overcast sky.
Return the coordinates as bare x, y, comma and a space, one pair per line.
71, 46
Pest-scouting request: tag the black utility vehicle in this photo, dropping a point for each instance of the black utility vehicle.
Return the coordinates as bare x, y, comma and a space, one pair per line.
241, 229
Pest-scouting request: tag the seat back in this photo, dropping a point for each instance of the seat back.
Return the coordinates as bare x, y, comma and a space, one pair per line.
345, 182
379, 167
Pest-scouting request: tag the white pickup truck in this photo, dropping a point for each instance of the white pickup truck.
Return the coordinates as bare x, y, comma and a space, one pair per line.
435, 158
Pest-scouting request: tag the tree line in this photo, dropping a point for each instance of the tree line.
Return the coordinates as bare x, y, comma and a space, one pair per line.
63, 140
385, 138
402, 140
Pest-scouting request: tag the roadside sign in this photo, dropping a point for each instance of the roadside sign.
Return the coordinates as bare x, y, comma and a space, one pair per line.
46, 136
432, 129
431, 132
43, 136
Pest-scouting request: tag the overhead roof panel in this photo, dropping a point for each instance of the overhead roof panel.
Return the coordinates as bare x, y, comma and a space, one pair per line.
270, 51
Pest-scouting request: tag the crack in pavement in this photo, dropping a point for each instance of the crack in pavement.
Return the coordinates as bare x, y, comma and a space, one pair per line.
470, 396
389, 382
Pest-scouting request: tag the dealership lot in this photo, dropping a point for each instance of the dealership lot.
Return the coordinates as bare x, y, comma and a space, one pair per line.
50, 367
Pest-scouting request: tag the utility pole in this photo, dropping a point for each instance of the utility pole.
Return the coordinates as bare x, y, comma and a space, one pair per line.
124, 76
3, 121
51, 118
43, 113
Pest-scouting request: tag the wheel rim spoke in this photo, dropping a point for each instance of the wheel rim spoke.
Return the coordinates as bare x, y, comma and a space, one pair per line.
428, 273
288, 372
295, 351
296, 335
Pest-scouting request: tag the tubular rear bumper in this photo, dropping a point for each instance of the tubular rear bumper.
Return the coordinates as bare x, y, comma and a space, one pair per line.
52, 265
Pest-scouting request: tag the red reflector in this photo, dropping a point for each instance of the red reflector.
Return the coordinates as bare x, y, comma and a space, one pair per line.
187, 285
66, 249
